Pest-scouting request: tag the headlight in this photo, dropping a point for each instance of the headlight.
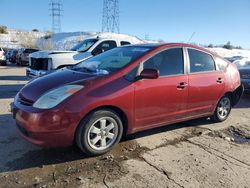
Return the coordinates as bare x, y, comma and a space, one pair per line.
54, 97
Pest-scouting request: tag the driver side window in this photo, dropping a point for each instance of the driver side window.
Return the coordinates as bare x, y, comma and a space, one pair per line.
104, 46
168, 62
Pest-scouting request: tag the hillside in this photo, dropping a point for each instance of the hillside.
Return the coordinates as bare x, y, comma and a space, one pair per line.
14, 38
66, 40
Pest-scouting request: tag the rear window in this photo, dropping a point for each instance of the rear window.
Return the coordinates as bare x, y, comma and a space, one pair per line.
200, 61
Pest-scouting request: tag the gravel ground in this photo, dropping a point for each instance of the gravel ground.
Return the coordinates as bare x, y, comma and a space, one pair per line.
197, 153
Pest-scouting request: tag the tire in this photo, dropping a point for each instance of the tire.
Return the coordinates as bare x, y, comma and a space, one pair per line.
99, 132
3, 63
222, 110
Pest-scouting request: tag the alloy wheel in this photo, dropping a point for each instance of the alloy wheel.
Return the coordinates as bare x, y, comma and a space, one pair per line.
224, 107
102, 133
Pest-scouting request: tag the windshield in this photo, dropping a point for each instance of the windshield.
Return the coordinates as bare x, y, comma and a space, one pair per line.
112, 60
84, 45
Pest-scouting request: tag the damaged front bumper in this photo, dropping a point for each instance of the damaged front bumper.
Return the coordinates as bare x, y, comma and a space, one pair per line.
35, 73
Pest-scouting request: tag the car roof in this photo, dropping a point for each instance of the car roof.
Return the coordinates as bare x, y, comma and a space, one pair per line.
162, 45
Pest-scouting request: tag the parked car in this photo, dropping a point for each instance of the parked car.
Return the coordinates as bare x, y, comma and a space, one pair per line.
18, 55
24, 56
2, 57
13, 56
123, 91
244, 69
8, 54
234, 58
43, 62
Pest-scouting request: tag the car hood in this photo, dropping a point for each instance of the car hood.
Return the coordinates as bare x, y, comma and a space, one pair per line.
38, 86
46, 53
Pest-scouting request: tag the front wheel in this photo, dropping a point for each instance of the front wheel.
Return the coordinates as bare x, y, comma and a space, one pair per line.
223, 109
99, 132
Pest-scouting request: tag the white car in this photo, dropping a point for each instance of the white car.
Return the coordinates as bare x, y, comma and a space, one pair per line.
43, 62
2, 57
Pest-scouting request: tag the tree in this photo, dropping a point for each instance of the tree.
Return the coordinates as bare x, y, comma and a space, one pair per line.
228, 46
3, 30
210, 45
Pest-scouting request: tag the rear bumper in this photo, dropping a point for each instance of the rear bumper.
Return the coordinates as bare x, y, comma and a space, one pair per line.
2, 58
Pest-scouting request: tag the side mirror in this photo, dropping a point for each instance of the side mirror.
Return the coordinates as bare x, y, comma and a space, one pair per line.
150, 74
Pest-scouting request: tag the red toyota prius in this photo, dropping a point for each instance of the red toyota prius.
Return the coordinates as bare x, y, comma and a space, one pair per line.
125, 90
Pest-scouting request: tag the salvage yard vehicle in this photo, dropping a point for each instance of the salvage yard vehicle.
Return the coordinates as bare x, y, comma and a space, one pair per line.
123, 91
13, 55
2, 57
244, 69
44, 62
24, 56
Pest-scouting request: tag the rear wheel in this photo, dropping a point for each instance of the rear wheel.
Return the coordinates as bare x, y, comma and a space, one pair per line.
223, 109
99, 132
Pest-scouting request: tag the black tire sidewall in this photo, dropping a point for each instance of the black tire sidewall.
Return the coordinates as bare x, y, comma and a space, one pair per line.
82, 131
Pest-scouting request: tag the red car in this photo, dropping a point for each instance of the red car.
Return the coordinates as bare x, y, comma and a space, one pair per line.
125, 90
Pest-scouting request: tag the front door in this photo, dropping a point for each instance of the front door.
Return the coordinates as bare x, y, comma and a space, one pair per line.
162, 100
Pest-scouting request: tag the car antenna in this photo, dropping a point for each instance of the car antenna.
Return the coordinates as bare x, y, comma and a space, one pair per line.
191, 37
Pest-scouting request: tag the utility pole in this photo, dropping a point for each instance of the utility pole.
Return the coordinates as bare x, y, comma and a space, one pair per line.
55, 13
110, 16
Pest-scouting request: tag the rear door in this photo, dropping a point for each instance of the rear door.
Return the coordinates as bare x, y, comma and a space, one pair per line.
162, 100
206, 84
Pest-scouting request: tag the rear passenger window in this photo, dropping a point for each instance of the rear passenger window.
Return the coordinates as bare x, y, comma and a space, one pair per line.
124, 43
200, 61
168, 62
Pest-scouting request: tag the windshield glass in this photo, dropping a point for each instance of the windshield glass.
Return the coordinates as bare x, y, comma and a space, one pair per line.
84, 45
112, 60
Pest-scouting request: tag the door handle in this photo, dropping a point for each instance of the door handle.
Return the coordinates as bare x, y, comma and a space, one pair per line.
219, 80
182, 85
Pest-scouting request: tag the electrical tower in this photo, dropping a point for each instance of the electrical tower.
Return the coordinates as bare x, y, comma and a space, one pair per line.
110, 16
55, 13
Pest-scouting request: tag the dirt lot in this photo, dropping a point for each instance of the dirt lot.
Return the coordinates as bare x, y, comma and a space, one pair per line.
191, 154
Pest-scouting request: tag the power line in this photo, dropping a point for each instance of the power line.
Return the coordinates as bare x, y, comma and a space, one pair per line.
110, 16
55, 13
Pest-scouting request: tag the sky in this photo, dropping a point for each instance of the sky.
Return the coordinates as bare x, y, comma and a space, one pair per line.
211, 21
